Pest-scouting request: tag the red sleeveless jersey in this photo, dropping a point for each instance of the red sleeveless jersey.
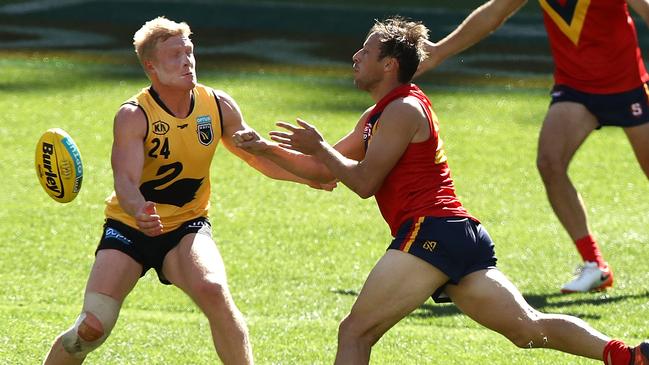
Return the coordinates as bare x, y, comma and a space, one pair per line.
594, 45
420, 183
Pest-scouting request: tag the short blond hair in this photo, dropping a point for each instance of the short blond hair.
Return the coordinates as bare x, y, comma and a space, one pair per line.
157, 30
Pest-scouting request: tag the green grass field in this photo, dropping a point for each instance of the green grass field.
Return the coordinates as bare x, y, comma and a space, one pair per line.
296, 257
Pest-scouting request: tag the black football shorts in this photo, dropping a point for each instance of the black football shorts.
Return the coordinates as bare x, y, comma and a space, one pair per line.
457, 246
625, 109
148, 251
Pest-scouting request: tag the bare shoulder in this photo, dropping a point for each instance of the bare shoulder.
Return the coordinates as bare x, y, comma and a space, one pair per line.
408, 110
407, 118
130, 118
227, 102
232, 116
128, 112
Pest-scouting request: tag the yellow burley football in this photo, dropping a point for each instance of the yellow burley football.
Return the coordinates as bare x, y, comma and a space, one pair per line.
58, 165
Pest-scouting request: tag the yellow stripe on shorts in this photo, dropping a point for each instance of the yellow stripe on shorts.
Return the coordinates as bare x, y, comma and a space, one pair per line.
413, 234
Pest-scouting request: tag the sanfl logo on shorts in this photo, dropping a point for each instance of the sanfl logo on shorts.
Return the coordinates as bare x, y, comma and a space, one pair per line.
636, 109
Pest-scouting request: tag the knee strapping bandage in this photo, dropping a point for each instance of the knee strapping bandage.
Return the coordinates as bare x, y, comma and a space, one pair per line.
105, 309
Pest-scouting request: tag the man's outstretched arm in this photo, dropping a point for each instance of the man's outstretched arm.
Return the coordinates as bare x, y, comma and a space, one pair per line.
479, 24
303, 165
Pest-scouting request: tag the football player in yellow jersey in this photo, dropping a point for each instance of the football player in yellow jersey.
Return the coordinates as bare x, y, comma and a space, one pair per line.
164, 141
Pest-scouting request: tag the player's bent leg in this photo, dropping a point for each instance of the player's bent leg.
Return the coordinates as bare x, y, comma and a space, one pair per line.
639, 138
93, 325
90, 330
565, 128
397, 285
490, 299
196, 267
113, 276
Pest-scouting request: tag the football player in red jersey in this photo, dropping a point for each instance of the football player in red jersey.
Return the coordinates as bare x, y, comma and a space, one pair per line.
395, 154
600, 80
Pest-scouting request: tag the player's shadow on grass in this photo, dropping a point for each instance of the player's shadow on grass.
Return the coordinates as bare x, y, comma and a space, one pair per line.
543, 302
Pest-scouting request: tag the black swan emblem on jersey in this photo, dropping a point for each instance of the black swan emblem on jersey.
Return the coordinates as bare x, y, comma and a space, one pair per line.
179, 193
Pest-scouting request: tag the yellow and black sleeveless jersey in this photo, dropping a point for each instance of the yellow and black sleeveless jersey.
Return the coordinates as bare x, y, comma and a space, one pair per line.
177, 157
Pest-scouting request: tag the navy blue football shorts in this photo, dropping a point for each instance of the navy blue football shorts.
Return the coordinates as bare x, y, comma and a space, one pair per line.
148, 251
456, 246
625, 109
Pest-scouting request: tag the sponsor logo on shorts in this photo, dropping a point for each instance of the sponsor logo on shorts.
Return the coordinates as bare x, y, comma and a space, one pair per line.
429, 245
556, 94
113, 233
199, 224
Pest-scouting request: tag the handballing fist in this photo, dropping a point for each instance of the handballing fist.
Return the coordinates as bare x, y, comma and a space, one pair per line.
250, 141
148, 220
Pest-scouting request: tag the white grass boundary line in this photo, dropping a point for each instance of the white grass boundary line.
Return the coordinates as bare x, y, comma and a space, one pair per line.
275, 50
471, 64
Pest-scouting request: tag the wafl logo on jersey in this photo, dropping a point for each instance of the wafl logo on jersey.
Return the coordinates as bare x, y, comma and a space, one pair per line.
204, 129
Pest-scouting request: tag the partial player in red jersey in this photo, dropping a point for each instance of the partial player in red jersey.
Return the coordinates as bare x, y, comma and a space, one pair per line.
600, 80
395, 154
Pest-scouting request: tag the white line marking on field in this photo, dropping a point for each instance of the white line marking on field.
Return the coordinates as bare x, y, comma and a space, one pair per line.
276, 50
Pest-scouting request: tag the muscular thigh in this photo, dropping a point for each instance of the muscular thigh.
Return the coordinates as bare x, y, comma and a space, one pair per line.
114, 273
566, 126
196, 259
639, 139
490, 299
397, 285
